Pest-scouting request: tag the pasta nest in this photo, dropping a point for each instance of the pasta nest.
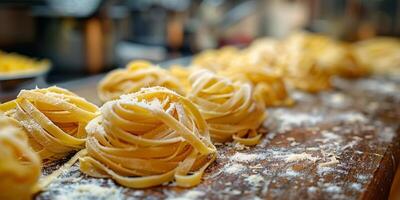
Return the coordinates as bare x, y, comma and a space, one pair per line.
216, 60
136, 75
228, 107
261, 51
301, 64
54, 119
268, 86
148, 138
182, 74
380, 55
19, 166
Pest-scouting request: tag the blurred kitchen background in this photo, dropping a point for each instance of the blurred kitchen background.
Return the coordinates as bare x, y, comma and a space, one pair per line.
84, 37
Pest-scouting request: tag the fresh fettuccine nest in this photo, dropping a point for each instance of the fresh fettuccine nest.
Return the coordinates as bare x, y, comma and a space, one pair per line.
216, 59
380, 55
268, 86
54, 119
148, 138
19, 165
228, 107
182, 74
308, 61
136, 75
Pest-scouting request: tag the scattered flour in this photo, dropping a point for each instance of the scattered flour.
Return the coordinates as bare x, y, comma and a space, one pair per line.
300, 157
362, 177
351, 116
288, 119
379, 86
312, 189
330, 136
336, 100
254, 180
234, 168
313, 149
190, 195
244, 157
88, 191
333, 161
301, 96
291, 173
356, 186
350, 144
387, 134
333, 188
324, 170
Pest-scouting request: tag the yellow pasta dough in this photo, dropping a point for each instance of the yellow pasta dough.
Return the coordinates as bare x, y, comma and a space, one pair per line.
261, 52
380, 55
268, 86
19, 166
138, 74
300, 65
229, 108
216, 60
182, 74
12, 63
54, 119
308, 61
148, 138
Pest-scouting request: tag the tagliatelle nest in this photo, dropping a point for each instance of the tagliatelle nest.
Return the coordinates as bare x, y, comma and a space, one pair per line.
20, 166
148, 138
268, 86
380, 55
53, 118
229, 108
136, 75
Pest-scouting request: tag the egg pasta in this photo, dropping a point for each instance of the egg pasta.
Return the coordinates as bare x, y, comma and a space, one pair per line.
268, 86
54, 119
229, 108
148, 138
136, 75
20, 166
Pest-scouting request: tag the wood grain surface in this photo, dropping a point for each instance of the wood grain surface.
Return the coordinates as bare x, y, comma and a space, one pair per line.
338, 144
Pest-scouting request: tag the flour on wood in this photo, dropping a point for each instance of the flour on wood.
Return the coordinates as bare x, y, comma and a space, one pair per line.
300, 157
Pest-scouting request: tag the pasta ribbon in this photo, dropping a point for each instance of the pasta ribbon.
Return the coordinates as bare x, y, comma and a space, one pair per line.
148, 138
136, 75
228, 107
20, 166
54, 118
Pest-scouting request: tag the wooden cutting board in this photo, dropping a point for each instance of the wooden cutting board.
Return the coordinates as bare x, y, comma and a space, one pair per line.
338, 144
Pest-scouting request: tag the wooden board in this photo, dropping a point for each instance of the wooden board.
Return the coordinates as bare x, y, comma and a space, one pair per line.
339, 144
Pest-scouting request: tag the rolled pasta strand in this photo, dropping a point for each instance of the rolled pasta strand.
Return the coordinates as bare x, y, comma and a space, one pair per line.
228, 107
136, 75
20, 166
54, 118
148, 138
